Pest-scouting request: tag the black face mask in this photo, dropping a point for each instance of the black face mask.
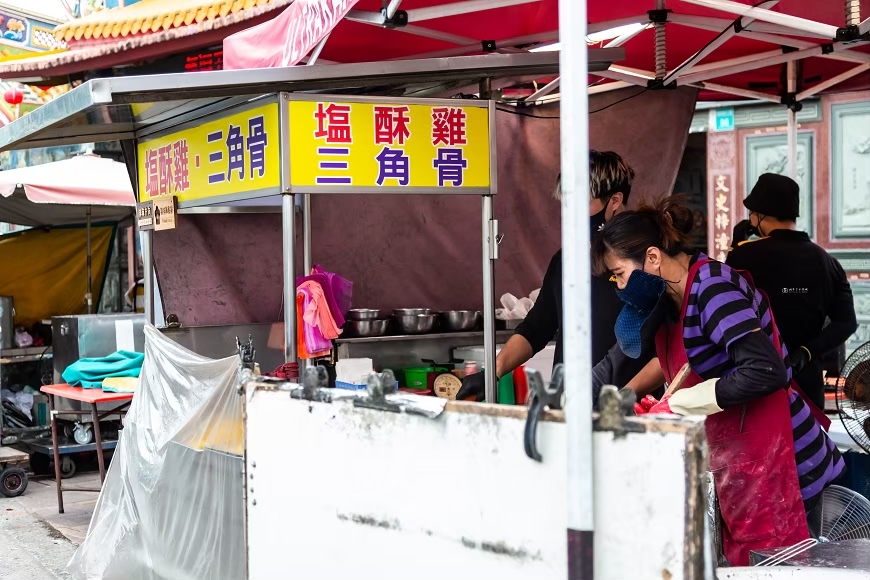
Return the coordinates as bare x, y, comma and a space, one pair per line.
596, 222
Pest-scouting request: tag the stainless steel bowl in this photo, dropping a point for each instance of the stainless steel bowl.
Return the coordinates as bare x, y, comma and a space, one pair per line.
366, 328
461, 319
416, 323
410, 311
363, 314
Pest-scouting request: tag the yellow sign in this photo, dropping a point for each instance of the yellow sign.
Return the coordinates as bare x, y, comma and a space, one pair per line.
371, 145
232, 155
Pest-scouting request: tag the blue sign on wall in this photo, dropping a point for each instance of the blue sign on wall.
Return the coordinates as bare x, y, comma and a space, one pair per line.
725, 119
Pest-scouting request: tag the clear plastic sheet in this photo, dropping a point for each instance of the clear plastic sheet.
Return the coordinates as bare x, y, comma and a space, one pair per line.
172, 506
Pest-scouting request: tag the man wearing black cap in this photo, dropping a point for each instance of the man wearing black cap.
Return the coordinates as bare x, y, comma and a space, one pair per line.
804, 284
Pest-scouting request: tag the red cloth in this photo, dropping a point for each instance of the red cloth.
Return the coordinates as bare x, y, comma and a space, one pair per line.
287, 371
751, 457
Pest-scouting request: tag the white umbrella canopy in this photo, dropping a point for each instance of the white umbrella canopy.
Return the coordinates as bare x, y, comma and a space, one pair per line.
60, 193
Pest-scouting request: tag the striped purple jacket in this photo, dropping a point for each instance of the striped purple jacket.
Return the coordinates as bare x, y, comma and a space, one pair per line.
723, 307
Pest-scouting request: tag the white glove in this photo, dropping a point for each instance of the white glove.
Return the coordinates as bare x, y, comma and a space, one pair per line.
697, 400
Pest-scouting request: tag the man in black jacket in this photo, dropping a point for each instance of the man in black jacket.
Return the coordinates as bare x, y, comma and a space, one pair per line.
610, 181
806, 287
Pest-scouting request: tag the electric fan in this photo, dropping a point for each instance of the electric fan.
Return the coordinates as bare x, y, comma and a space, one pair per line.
853, 396
845, 515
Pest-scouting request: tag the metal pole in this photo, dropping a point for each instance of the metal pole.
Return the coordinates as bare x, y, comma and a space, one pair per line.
576, 275
853, 12
306, 234
661, 45
288, 235
792, 122
490, 250
148, 271
89, 296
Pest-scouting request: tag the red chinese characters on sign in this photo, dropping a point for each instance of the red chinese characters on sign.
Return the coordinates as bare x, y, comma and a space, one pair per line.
391, 125
167, 169
181, 171
448, 126
721, 221
333, 123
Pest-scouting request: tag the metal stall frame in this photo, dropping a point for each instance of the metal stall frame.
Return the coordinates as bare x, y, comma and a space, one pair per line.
287, 191
489, 246
105, 110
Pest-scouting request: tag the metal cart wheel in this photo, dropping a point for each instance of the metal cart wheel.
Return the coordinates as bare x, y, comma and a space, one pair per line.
67, 467
40, 464
83, 434
13, 481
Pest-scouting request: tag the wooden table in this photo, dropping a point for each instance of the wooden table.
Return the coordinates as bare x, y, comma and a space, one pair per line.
92, 397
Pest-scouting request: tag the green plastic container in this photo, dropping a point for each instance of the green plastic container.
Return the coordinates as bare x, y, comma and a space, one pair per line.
418, 377
506, 394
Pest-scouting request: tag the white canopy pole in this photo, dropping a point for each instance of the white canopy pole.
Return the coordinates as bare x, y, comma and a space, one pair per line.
825, 30
576, 293
791, 71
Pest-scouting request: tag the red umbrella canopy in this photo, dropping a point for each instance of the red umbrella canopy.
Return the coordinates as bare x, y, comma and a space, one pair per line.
524, 24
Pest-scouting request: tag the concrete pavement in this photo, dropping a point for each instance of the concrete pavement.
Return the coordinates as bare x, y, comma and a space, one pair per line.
36, 542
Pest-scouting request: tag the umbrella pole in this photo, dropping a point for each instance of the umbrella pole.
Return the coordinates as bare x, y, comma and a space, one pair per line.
89, 296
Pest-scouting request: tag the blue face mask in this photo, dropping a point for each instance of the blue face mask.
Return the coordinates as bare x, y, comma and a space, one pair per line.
642, 294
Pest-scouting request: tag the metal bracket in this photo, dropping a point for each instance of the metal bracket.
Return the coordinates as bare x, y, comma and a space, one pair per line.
494, 239
399, 19
849, 33
615, 405
659, 16
315, 381
246, 352
489, 46
790, 101
379, 386
541, 398
659, 84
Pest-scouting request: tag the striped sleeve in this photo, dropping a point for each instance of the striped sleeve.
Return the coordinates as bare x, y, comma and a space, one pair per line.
725, 310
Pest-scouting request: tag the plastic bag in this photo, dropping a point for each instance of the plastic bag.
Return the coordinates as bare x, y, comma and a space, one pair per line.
172, 506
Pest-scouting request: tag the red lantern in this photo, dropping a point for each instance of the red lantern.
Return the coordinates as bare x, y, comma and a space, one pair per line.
14, 96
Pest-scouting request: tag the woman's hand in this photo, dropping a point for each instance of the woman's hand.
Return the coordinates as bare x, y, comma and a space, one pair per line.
643, 406
662, 407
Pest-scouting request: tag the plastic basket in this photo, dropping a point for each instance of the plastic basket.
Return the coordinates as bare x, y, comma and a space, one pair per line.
419, 377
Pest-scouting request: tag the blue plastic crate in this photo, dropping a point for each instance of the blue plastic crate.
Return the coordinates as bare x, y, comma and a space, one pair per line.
349, 386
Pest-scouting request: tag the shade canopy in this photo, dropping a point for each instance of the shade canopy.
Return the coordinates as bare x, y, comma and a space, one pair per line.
752, 40
61, 192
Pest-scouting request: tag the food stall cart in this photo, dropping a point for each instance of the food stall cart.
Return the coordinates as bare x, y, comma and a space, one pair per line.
494, 530
405, 495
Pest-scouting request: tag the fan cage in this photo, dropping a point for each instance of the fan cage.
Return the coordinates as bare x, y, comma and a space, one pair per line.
855, 415
845, 515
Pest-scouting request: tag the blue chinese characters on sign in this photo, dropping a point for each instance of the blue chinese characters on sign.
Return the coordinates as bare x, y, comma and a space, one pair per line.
393, 164
234, 151
450, 166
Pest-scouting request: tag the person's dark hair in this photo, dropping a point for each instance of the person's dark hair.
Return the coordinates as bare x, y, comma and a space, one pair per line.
609, 174
665, 225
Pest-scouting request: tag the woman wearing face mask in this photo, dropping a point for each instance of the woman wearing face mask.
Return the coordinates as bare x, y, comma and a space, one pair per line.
770, 458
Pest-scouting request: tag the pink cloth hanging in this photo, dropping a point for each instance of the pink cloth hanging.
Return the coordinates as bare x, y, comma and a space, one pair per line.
317, 311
